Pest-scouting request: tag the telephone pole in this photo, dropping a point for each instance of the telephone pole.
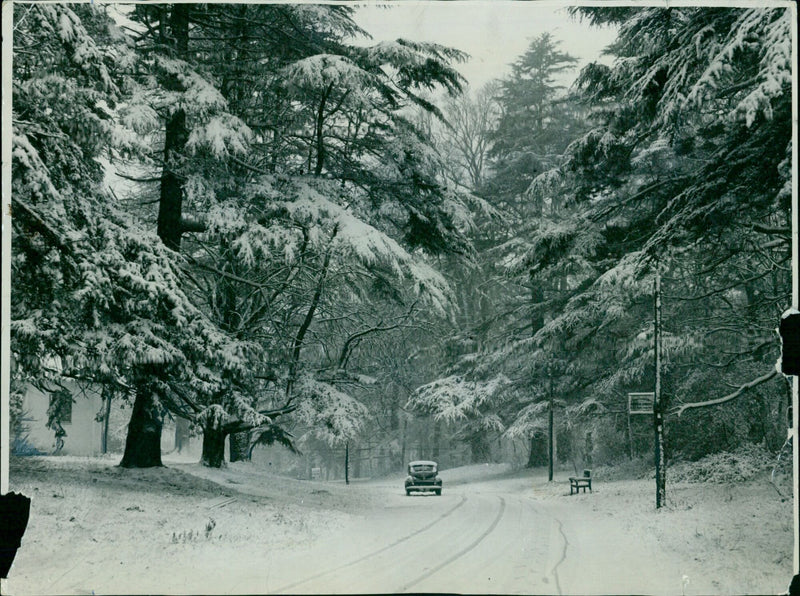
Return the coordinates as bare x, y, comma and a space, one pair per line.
658, 408
551, 433
347, 462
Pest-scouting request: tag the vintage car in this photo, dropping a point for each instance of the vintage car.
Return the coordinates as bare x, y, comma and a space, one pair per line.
423, 476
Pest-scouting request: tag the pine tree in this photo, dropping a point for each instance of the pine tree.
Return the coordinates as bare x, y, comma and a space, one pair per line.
268, 242
535, 122
685, 167
94, 292
683, 160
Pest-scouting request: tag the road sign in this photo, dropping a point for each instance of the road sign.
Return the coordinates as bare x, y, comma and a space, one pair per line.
640, 403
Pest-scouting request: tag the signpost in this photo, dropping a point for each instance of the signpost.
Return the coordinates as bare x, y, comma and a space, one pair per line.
638, 403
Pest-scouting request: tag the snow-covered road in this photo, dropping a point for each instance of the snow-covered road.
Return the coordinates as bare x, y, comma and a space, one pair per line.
486, 537
187, 529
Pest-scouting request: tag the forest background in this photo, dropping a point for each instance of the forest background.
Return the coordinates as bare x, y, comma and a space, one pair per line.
323, 243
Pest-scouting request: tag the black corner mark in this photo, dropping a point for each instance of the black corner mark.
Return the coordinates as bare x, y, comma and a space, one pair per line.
794, 587
790, 338
14, 512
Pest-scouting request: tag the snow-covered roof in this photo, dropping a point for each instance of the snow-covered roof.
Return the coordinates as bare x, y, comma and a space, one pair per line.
422, 463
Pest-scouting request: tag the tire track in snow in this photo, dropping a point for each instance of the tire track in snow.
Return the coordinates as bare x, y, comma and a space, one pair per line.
373, 553
554, 570
460, 553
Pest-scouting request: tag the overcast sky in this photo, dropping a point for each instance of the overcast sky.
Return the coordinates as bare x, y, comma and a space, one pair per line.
494, 32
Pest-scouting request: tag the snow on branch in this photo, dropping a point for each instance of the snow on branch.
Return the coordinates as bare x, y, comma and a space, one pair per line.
626, 274
416, 63
731, 396
333, 416
298, 206
455, 398
765, 31
323, 70
588, 407
531, 419
223, 135
199, 95
213, 417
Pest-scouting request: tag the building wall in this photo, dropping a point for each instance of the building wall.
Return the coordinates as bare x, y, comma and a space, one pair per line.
84, 432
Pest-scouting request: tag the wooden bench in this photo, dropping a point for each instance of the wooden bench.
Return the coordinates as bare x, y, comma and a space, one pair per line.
576, 483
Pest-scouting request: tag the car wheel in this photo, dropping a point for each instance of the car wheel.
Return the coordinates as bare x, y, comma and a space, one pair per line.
408, 493
438, 492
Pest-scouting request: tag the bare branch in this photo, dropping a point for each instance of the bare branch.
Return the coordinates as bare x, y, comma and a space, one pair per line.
238, 426
136, 178
348, 346
772, 230
231, 276
731, 396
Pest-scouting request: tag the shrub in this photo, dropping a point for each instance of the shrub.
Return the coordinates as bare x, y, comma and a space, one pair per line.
743, 463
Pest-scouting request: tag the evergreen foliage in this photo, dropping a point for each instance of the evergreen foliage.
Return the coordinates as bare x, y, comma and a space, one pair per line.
238, 214
678, 160
209, 305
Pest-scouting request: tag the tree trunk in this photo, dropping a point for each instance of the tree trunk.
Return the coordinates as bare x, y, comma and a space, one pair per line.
403, 444
106, 415
479, 446
213, 447
551, 435
318, 129
181, 433
394, 414
630, 435
239, 444
436, 439
143, 443
179, 28
170, 205
357, 456
347, 462
537, 454
537, 297
312, 308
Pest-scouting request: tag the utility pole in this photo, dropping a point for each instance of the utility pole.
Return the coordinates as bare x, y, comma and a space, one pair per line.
630, 432
347, 462
551, 433
106, 397
658, 408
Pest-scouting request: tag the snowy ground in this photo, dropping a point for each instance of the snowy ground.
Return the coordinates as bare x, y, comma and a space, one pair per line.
187, 529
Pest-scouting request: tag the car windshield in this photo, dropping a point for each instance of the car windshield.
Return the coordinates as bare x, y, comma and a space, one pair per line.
423, 468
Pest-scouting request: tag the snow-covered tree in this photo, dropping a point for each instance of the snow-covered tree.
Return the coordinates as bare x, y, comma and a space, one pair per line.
535, 123
96, 294
472, 405
273, 251
686, 167
682, 160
